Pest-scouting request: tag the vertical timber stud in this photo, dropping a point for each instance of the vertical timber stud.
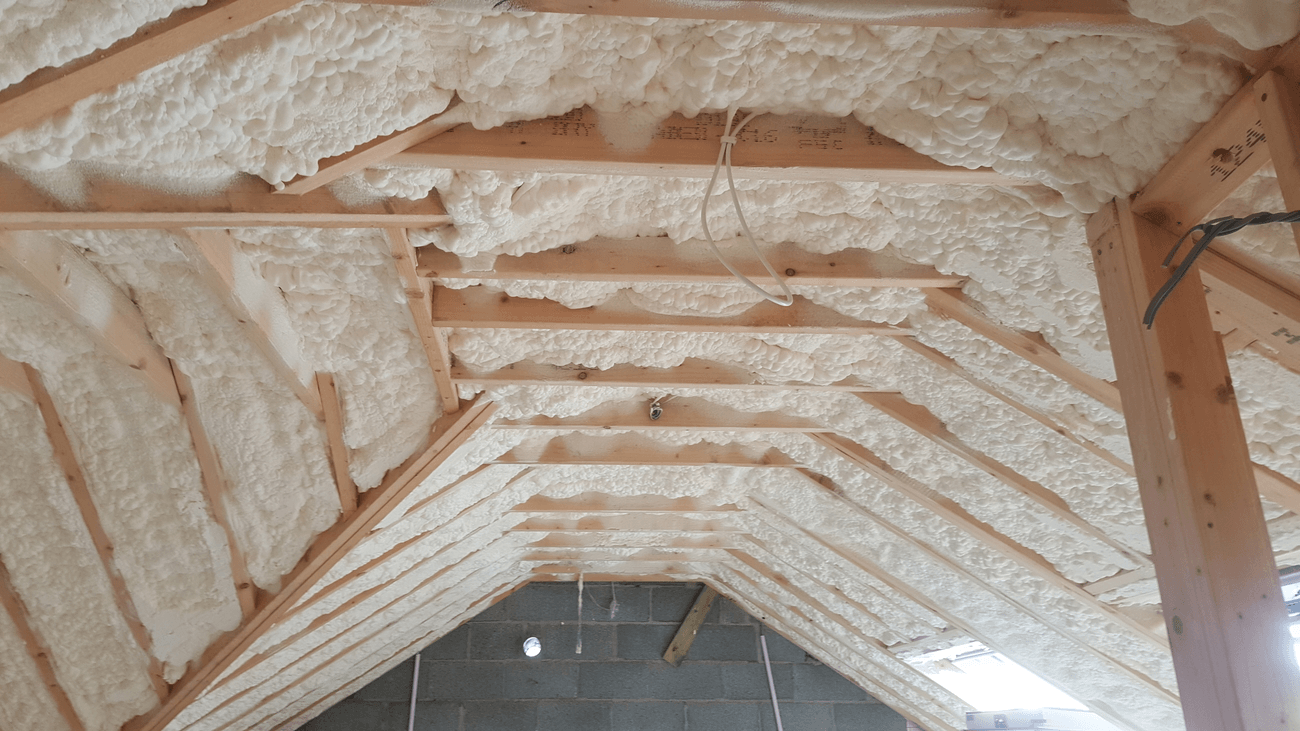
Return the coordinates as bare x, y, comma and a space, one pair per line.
1214, 564
1278, 102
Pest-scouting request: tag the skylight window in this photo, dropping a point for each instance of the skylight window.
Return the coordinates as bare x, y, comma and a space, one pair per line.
990, 681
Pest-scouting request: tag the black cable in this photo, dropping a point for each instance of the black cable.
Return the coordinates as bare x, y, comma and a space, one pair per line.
1212, 230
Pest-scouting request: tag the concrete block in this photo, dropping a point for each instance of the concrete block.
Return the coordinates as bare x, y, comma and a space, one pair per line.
505, 641
722, 643
748, 681
435, 716
498, 612
531, 679
394, 685
867, 717
633, 603
671, 603
443, 681
649, 716
649, 681
804, 716
500, 716
644, 641
820, 683
545, 602
453, 646
779, 649
722, 716
350, 715
729, 613
573, 716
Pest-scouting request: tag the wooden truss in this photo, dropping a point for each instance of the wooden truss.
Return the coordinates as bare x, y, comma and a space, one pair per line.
1200, 491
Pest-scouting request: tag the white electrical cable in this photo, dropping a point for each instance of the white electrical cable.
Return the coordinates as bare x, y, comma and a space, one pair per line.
415, 685
578, 650
724, 156
776, 709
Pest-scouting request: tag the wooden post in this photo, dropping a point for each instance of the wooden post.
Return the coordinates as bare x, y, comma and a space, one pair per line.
1214, 563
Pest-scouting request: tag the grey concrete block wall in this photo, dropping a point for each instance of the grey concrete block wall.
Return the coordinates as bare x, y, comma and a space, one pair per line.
477, 678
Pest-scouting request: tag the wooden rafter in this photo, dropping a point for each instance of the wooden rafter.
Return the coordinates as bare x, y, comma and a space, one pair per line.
1277, 99
491, 597
1276, 487
318, 646
658, 259
1120, 580
1214, 564
339, 461
771, 147
37, 649
49, 91
1220, 157
257, 305
373, 152
774, 564
869, 650
920, 420
631, 523
66, 457
587, 540
948, 364
13, 378
596, 502
1267, 310
480, 307
952, 512
679, 414
328, 549
60, 277
692, 373
1076, 638
215, 488
419, 298
633, 449
1030, 346
114, 204
566, 572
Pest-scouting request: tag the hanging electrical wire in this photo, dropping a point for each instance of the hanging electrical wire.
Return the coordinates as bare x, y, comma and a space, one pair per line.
724, 157
1211, 230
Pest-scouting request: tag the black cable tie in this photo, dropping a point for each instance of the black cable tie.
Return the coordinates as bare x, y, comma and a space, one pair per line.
1211, 230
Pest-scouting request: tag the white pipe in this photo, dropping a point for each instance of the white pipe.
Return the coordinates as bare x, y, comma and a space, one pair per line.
776, 710
415, 686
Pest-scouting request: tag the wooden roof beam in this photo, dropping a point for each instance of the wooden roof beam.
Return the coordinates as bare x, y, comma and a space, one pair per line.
49, 91
948, 364
60, 277
480, 307
952, 512
692, 373
920, 420
374, 152
215, 488
114, 204
652, 523
597, 502
1211, 548
66, 457
658, 259
1217, 159
330, 547
1075, 638
419, 299
38, 650
669, 541
679, 414
257, 305
633, 449
1276, 487
771, 147
338, 448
